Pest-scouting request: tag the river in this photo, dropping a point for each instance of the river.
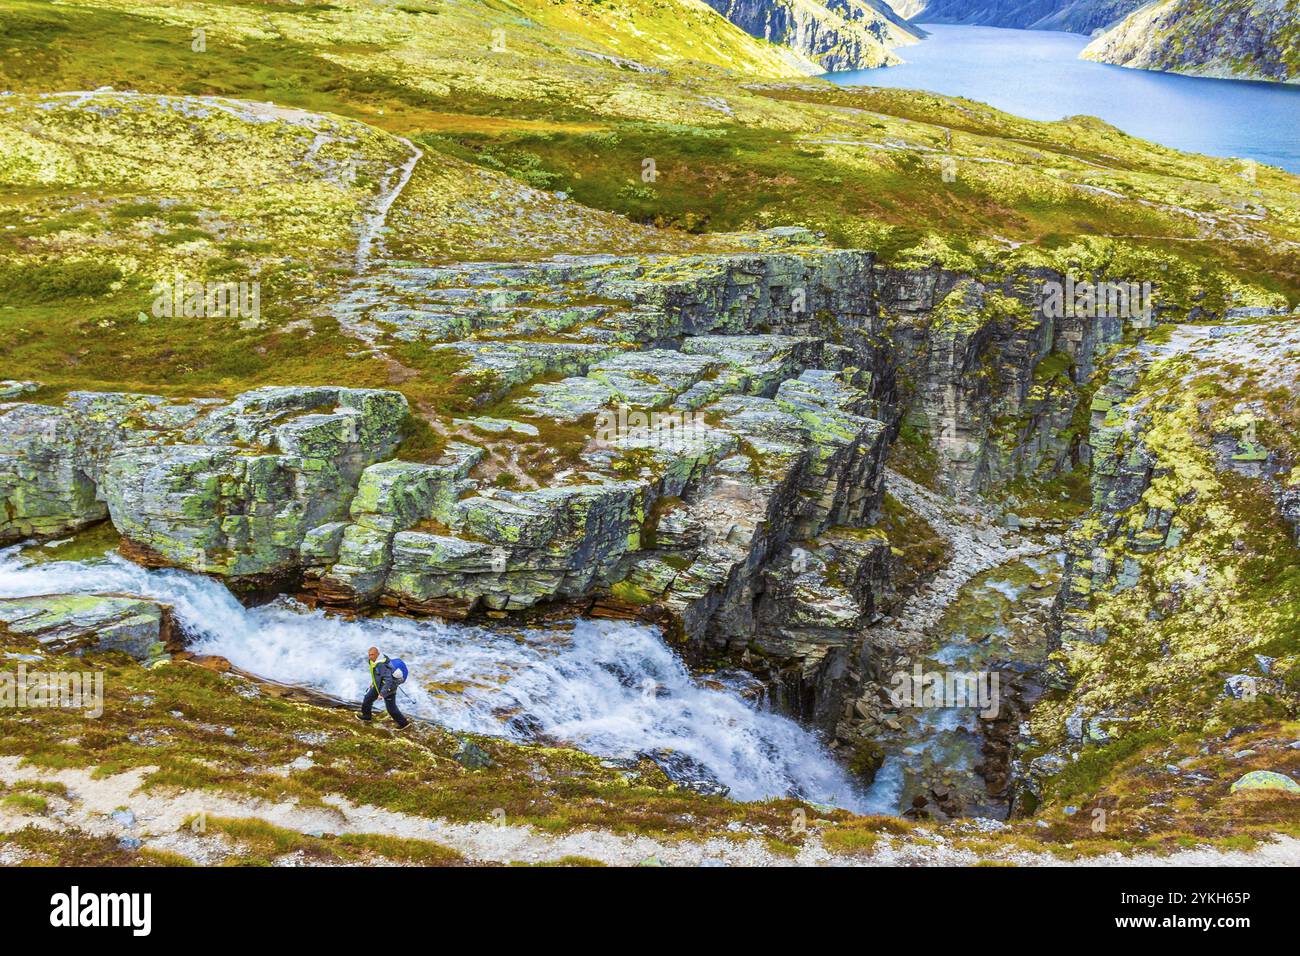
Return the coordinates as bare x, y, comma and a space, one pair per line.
608, 687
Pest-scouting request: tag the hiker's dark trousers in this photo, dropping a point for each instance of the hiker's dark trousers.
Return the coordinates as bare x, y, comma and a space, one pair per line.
390, 701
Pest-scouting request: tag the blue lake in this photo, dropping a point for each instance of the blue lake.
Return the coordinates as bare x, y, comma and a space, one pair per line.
1037, 74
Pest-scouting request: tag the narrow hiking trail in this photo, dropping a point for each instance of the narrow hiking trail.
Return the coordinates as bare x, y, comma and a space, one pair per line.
373, 226
115, 806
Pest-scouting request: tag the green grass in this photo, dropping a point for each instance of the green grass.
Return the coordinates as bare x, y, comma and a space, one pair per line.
916, 550
57, 281
727, 177
715, 174
26, 803
258, 843
1085, 776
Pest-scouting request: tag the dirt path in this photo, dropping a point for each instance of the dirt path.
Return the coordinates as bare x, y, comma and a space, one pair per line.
162, 820
374, 224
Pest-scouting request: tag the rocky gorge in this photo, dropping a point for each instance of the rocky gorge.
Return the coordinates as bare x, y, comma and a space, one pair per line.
742, 512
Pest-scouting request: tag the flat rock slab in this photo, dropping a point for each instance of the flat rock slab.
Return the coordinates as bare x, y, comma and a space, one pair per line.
74, 623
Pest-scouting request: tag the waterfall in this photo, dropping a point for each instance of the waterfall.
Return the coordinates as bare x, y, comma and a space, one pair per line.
610, 688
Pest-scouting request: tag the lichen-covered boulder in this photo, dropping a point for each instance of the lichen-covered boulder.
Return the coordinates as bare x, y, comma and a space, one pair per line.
502, 365
44, 488
229, 488
75, 623
362, 565
394, 495
432, 572
11, 389
515, 549
1265, 780
348, 563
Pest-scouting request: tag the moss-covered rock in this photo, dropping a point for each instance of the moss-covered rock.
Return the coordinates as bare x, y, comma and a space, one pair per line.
75, 623
225, 488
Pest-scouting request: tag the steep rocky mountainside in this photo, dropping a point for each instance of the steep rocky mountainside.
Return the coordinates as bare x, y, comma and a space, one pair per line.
868, 12
907, 9
1236, 39
1179, 606
1072, 16
837, 34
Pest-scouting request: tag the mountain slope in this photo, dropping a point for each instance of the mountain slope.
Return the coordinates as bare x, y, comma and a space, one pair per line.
1072, 16
1236, 39
879, 17
837, 35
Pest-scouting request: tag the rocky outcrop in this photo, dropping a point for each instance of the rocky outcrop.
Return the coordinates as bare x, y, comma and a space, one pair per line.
10, 388
877, 16
744, 533
1234, 39
818, 595
1122, 469
802, 463
991, 373
75, 623
984, 371
696, 441
229, 488
1171, 615
1072, 16
1133, 516
421, 539
836, 34
44, 487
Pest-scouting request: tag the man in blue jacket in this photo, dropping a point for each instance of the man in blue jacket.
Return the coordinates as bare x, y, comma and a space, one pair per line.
383, 683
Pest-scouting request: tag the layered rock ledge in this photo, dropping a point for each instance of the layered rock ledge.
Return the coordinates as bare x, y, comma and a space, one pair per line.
706, 440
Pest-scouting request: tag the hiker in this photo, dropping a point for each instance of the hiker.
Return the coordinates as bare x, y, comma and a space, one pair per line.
385, 675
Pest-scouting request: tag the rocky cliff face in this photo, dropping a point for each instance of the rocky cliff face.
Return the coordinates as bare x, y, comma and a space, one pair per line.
880, 18
1177, 607
1072, 16
697, 441
991, 374
836, 34
1235, 39
700, 442
228, 488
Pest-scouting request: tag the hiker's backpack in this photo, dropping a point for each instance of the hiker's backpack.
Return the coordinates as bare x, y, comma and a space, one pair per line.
400, 671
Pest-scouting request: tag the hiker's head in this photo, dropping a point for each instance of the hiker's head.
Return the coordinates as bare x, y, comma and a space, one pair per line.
373, 654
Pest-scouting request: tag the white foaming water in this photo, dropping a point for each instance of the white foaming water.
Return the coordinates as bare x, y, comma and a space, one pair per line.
610, 688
